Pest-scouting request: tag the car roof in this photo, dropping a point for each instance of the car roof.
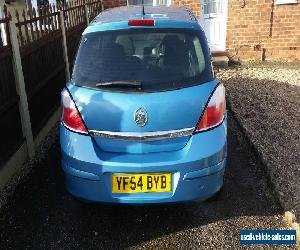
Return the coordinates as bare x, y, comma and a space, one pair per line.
164, 16
126, 13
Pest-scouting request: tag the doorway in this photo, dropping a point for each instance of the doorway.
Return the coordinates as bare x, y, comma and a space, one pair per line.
214, 22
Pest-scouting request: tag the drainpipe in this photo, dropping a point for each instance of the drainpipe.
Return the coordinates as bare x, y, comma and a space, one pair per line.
263, 54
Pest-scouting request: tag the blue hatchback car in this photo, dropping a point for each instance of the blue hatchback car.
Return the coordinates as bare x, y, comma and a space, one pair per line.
144, 119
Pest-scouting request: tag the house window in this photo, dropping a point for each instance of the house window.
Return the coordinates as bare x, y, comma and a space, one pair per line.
149, 2
278, 2
212, 7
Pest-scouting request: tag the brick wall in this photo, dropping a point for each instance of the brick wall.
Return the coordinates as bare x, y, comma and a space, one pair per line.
194, 5
113, 3
254, 26
259, 24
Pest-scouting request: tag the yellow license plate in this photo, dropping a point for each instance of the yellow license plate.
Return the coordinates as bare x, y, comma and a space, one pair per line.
141, 183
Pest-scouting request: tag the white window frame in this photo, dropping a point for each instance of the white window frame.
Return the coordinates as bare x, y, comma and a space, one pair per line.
154, 2
280, 2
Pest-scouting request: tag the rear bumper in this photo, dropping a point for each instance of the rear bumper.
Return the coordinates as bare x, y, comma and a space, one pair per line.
199, 188
197, 169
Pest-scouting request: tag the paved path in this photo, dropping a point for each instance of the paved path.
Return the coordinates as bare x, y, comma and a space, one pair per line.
42, 215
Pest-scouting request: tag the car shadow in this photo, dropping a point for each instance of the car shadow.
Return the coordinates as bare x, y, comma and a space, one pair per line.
41, 213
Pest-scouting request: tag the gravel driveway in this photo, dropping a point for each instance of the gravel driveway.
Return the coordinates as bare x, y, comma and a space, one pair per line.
266, 100
41, 215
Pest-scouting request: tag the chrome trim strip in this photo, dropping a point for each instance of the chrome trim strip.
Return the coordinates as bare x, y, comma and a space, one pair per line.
143, 136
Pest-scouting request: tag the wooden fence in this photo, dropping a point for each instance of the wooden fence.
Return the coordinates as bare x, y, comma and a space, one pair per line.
34, 67
11, 135
40, 41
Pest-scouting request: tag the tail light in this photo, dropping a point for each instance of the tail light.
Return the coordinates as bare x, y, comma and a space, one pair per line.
70, 115
214, 113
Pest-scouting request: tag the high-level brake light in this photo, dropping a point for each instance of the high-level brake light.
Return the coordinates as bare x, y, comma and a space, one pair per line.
141, 22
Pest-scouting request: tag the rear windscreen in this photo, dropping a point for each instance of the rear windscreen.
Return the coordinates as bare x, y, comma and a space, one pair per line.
157, 59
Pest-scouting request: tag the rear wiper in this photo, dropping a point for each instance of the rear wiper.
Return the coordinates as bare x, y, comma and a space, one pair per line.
120, 84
